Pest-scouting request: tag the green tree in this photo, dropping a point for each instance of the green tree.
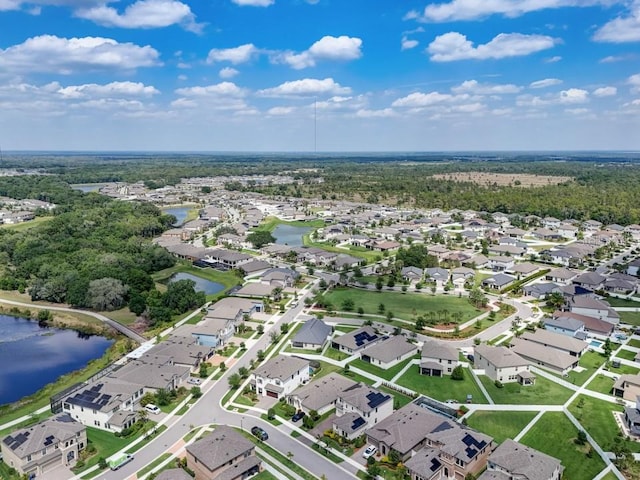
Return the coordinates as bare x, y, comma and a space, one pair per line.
260, 238
457, 373
106, 294
234, 381
163, 397
348, 304
196, 392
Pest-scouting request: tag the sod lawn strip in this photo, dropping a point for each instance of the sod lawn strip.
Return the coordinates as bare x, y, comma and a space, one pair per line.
590, 361
596, 416
386, 374
626, 354
442, 388
554, 435
601, 384
632, 318
544, 392
500, 425
405, 305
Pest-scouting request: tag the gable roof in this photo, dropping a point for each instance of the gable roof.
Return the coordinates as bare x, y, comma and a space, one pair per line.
358, 339
524, 462
323, 391
281, 367
221, 446
500, 357
313, 331
555, 340
434, 349
52, 431
364, 398
390, 349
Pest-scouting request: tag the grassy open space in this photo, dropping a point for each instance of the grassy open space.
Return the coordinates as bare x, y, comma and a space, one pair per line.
19, 227
270, 223
623, 369
387, 374
360, 252
335, 354
442, 388
632, 318
556, 426
622, 302
626, 354
596, 416
634, 342
500, 425
544, 392
602, 384
590, 361
404, 306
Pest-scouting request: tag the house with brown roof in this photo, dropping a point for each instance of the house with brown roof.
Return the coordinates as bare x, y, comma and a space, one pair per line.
438, 359
222, 455
512, 460
503, 365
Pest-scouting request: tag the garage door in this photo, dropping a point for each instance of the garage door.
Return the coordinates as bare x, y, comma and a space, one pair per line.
272, 394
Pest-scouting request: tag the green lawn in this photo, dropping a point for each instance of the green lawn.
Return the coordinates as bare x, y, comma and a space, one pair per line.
632, 318
107, 443
590, 361
596, 416
335, 354
404, 306
544, 392
623, 369
622, 302
626, 354
602, 384
442, 388
500, 425
19, 227
387, 374
556, 426
368, 255
345, 328
264, 475
400, 399
634, 342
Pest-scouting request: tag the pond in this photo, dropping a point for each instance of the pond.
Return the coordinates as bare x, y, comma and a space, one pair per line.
88, 187
33, 356
290, 235
202, 284
179, 212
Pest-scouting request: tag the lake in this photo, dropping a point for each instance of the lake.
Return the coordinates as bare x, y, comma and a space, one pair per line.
179, 212
32, 356
202, 284
290, 235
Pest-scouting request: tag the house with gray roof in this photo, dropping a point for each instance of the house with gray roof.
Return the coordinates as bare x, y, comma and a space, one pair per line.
313, 334
593, 326
632, 418
498, 281
545, 357
174, 474
593, 307
561, 275
438, 358
562, 343
456, 450
540, 290
564, 325
438, 275
389, 352
356, 340
360, 407
627, 387
590, 280
503, 365
320, 394
222, 455
412, 274
280, 376
36, 450
513, 460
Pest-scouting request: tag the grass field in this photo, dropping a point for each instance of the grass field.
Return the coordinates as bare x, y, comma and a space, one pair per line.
19, 227
544, 392
500, 425
556, 426
442, 388
634, 342
404, 306
387, 374
602, 384
626, 354
270, 223
622, 302
597, 418
360, 252
632, 318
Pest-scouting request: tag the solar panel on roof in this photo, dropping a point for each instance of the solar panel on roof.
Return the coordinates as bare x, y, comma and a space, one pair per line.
471, 452
435, 464
364, 337
377, 398
357, 423
442, 427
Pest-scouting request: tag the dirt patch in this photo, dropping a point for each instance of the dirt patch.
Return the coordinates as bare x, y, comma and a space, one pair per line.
487, 179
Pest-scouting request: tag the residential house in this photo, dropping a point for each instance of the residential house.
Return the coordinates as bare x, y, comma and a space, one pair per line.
356, 340
525, 269
627, 387
501, 263
212, 332
567, 230
153, 372
540, 291
498, 281
360, 407
224, 454
561, 275
430, 445
564, 326
592, 307
34, 451
321, 394
184, 351
313, 334
389, 352
279, 277
280, 376
632, 418
343, 261
620, 283
174, 474
513, 460
108, 404
412, 274
223, 258
438, 275
545, 357
503, 365
593, 326
634, 267
438, 358
590, 280
460, 276
557, 341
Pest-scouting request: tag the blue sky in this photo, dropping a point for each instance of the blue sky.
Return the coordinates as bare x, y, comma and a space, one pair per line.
335, 75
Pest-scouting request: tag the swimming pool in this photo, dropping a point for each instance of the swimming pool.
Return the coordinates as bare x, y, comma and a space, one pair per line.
596, 343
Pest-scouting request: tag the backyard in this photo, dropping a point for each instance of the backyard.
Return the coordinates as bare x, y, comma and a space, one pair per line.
406, 306
442, 388
500, 425
556, 426
544, 392
387, 374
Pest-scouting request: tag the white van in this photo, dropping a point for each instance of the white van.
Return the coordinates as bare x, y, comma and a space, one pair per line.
151, 408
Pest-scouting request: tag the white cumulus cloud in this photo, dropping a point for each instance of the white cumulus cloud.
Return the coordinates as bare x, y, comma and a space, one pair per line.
276, 111
547, 82
473, 87
574, 95
49, 53
254, 3
306, 87
382, 113
605, 92
477, 9
143, 14
621, 29
228, 72
342, 48
634, 81
454, 46
236, 55
223, 89
408, 44
113, 89
420, 99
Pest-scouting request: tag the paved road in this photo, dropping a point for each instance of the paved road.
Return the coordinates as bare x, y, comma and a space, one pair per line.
112, 323
208, 410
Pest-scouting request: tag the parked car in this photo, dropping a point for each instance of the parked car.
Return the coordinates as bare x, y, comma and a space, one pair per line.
151, 408
470, 358
370, 451
260, 433
299, 415
194, 380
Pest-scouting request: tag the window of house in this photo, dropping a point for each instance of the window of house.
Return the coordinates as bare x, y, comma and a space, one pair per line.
28, 458
44, 452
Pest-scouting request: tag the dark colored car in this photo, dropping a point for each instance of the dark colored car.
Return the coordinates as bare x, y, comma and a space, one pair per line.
470, 358
260, 433
298, 416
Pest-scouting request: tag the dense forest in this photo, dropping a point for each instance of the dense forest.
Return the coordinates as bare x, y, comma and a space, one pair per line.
95, 252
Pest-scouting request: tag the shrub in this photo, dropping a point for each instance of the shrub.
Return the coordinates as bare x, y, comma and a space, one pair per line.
102, 463
498, 384
457, 373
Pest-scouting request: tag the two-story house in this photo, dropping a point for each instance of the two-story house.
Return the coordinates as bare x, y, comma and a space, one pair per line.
360, 407
280, 376
503, 365
438, 359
